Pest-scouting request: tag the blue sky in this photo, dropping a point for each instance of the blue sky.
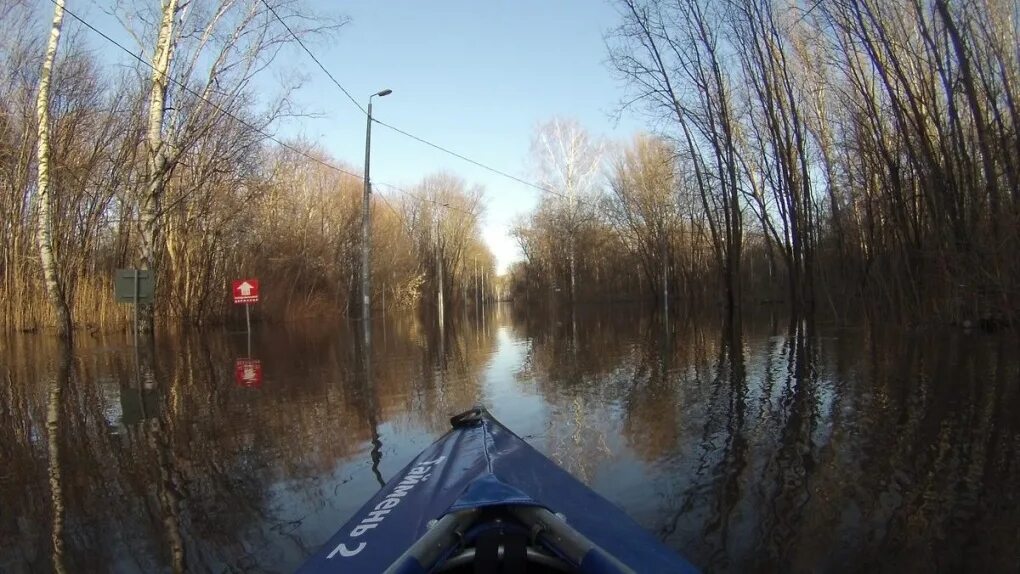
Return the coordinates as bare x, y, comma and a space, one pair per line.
474, 76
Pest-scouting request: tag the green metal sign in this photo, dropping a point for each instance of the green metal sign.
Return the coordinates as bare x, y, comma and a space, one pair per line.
130, 285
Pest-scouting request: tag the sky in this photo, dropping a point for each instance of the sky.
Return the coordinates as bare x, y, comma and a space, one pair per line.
475, 76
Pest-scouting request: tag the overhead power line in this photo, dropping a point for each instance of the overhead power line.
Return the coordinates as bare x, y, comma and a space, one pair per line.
310, 54
410, 135
471, 161
442, 204
251, 126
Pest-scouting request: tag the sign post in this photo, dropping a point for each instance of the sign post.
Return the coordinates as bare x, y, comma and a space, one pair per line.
247, 371
136, 305
247, 322
133, 286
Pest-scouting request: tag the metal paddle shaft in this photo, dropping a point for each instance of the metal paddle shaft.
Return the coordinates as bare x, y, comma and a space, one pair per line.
553, 530
561, 537
438, 540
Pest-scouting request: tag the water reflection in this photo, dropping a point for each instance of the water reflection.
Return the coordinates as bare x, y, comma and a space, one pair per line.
367, 400
781, 446
53, 405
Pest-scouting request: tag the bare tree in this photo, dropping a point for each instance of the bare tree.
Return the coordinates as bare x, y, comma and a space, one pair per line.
54, 285
644, 206
218, 48
157, 157
673, 55
442, 219
777, 125
568, 161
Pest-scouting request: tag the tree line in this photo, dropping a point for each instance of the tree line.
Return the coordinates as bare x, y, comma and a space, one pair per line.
831, 155
168, 163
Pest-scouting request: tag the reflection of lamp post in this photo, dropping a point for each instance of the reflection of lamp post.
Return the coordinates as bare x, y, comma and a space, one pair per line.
366, 235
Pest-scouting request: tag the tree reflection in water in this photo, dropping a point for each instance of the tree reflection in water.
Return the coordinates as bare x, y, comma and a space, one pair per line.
784, 445
53, 406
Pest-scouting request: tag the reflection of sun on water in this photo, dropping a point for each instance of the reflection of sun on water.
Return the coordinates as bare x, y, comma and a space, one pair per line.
579, 446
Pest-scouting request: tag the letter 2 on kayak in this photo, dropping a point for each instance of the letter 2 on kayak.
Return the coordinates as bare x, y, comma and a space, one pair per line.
480, 499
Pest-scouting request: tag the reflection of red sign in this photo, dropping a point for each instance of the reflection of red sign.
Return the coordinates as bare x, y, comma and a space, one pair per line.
246, 291
248, 373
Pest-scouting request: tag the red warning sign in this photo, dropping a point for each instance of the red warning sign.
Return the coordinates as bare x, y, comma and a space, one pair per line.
246, 291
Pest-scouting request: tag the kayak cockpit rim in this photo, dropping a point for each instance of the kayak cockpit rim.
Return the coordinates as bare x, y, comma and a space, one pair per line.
548, 530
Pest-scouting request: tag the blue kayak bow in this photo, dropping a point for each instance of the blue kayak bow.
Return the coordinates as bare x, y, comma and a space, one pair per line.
480, 496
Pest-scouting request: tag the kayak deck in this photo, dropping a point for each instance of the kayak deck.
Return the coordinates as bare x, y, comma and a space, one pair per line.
481, 499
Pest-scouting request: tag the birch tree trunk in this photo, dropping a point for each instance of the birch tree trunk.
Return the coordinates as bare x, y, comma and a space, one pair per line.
156, 157
51, 273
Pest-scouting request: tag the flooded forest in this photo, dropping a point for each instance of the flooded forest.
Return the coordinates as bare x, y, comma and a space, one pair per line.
794, 447
858, 157
777, 327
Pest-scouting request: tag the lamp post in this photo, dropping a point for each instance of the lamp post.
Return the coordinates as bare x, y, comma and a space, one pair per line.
366, 231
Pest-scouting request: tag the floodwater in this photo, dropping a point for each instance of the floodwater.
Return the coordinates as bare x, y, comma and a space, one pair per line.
791, 447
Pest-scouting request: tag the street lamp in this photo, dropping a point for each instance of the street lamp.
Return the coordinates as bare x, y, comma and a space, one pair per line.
366, 232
